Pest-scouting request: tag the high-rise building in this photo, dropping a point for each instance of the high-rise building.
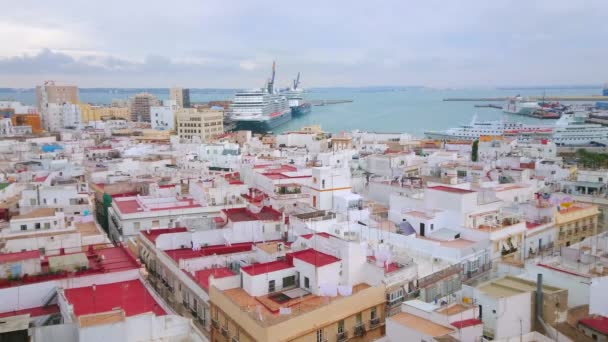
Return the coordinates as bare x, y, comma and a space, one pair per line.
140, 106
203, 123
181, 96
51, 93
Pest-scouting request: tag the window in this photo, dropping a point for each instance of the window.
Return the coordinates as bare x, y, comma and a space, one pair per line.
289, 281
323, 184
47, 225
23, 227
271, 286
136, 225
55, 200
156, 223
340, 326
359, 318
37, 225
306, 283
320, 335
373, 314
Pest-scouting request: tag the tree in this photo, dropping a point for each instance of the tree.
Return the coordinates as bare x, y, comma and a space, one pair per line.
474, 149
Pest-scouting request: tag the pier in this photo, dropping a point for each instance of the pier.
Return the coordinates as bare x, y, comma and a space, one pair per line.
328, 102
585, 98
487, 106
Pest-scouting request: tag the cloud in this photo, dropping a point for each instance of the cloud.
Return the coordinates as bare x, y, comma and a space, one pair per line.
216, 43
248, 65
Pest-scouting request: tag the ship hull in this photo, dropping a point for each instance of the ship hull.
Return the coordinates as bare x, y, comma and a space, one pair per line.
263, 126
303, 109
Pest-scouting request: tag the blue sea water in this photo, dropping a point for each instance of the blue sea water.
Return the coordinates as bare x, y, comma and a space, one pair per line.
411, 110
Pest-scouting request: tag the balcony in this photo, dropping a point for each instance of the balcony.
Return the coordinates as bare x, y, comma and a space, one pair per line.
374, 322
359, 330
342, 336
215, 323
225, 331
234, 339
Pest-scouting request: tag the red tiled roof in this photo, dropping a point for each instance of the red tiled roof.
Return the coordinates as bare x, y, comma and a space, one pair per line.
33, 312
598, 323
202, 276
153, 234
19, 256
266, 267
466, 323
315, 257
131, 296
451, 189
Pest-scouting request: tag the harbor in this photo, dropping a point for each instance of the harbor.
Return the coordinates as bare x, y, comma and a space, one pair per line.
329, 102
582, 98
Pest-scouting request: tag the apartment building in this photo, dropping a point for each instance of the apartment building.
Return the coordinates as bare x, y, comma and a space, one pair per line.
181, 96
421, 321
162, 118
281, 300
202, 123
140, 106
90, 113
574, 222
49, 92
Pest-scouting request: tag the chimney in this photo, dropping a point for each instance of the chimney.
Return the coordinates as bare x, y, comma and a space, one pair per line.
539, 296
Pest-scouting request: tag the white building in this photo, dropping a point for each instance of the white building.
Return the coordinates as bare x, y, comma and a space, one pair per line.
163, 117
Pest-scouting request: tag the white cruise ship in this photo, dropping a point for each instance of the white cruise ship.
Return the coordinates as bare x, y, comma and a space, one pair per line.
476, 129
568, 130
521, 106
260, 110
573, 130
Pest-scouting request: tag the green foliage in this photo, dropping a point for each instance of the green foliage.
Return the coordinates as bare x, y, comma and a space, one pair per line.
474, 151
591, 160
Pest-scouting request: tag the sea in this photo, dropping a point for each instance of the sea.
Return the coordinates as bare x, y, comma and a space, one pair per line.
411, 110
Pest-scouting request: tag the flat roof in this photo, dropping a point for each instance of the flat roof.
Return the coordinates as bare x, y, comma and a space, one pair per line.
266, 267
36, 213
130, 296
454, 309
19, 256
244, 214
153, 234
102, 260
130, 205
598, 323
314, 257
188, 253
466, 323
202, 276
423, 326
33, 312
451, 189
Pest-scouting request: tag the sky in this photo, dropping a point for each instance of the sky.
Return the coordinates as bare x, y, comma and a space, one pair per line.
231, 44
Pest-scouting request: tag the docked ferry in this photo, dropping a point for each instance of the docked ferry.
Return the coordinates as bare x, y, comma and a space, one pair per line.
569, 130
295, 99
260, 110
475, 129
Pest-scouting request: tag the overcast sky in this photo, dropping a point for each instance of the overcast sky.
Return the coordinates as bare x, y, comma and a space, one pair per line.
199, 43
